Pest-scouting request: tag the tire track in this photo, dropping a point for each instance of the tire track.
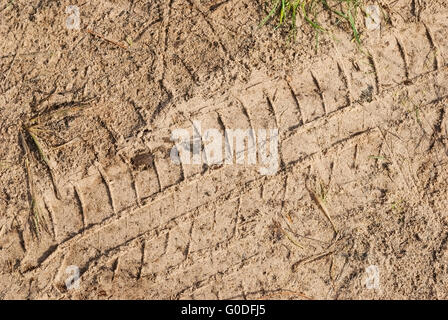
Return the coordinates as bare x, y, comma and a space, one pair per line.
128, 228
305, 137
191, 193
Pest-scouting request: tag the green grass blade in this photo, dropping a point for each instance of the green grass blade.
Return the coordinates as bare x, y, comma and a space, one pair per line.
271, 13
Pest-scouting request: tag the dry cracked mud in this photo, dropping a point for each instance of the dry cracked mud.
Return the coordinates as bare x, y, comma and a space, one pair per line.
363, 131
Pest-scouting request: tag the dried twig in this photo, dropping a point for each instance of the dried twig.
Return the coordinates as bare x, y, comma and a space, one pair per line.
122, 46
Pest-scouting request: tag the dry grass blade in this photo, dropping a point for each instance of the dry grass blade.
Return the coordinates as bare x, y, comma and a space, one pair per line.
292, 240
59, 114
38, 145
338, 244
35, 211
289, 237
93, 33
312, 259
40, 148
285, 293
321, 204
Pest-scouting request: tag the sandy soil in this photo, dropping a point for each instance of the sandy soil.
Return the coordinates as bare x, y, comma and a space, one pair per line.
368, 135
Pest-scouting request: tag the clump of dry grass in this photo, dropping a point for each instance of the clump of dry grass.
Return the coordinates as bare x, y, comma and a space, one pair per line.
31, 138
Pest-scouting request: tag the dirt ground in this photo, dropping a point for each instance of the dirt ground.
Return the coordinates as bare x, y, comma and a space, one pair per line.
362, 138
